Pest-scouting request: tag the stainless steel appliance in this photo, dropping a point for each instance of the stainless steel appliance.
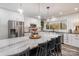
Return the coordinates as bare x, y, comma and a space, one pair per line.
15, 28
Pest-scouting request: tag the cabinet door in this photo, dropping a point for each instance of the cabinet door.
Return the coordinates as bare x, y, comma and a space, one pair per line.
65, 38
70, 37
75, 40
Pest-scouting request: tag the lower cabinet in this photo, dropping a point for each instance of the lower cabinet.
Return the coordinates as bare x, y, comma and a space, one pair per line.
66, 39
75, 40
71, 39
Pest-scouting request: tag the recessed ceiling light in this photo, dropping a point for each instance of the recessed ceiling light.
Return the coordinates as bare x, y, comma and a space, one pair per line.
61, 13
39, 17
76, 9
20, 11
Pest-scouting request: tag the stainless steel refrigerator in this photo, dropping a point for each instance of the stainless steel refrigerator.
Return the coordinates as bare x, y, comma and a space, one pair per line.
15, 28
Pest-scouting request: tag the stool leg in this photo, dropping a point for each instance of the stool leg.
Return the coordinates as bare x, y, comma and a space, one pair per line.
37, 51
42, 52
60, 51
57, 50
46, 50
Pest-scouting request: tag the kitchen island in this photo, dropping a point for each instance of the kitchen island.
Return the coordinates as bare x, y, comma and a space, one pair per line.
13, 46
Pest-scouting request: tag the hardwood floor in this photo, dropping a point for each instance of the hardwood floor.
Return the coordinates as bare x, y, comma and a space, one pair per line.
68, 50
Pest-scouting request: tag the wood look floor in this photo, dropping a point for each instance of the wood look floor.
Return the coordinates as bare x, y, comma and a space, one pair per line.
69, 50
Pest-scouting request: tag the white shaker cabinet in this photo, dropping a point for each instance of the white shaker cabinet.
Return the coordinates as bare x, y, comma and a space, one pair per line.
71, 39
65, 38
75, 40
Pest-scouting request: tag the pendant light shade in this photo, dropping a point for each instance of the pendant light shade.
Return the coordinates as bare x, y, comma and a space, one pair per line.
20, 9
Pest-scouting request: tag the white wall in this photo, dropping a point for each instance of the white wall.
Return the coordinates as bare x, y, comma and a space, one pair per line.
6, 15
30, 20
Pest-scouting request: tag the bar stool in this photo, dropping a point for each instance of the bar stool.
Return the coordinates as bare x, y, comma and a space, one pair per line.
33, 51
42, 51
58, 45
51, 47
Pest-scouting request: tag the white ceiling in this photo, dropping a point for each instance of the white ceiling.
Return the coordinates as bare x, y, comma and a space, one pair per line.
36, 9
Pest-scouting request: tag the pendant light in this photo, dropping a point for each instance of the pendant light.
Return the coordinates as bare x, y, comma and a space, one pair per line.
48, 20
20, 9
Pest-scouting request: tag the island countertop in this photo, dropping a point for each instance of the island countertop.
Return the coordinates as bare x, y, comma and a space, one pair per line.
16, 45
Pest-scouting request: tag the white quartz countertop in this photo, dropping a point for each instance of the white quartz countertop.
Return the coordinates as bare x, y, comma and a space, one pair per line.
16, 45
